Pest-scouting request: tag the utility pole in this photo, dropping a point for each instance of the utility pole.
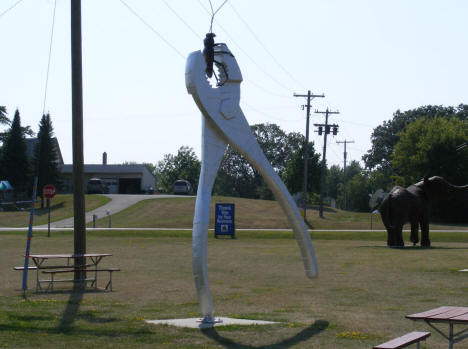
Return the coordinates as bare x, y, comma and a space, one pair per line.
309, 96
325, 131
77, 139
344, 170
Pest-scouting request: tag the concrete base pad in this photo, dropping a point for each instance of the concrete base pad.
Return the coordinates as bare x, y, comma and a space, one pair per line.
219, 321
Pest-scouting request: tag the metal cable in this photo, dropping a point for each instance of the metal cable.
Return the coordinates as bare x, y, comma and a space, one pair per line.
10, 8
182, 20
264, 47
50, 54
152, 29
248, 56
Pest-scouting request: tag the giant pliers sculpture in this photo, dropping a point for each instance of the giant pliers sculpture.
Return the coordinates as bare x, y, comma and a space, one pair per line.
223, 123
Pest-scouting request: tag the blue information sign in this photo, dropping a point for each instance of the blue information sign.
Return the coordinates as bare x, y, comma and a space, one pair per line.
224, 223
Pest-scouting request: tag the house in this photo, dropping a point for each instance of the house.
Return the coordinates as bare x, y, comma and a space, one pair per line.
31, 146
119, 179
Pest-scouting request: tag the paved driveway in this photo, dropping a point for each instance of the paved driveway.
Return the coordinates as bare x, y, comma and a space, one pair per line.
118, 203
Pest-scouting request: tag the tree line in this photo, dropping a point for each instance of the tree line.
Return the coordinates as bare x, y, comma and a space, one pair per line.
15, 164
411, 145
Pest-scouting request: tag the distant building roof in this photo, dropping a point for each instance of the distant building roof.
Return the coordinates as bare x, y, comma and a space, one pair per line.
31, 145
133, 168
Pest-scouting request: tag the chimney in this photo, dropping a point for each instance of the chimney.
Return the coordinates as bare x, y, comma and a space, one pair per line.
104, 158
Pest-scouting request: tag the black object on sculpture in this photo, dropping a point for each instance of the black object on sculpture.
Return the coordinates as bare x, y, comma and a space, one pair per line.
412, 205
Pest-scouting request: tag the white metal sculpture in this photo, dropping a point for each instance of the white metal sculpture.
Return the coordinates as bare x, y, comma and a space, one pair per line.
223, 123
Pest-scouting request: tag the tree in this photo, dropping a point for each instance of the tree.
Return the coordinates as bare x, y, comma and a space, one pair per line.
428, 147
14, 162
236, 177
386, 136
3, 116
293, 176
45, 156
357, 192
184, 165
3, 121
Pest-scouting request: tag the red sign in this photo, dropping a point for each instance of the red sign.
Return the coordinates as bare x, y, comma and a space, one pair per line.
48, 191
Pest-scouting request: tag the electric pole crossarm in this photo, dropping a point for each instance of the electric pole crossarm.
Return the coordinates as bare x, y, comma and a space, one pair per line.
312, 95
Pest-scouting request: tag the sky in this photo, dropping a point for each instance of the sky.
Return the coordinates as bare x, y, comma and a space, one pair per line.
370, 58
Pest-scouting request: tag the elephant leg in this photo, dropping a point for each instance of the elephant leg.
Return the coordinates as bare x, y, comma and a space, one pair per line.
213, 147
414, 232
390, 236
425, 242
399, 236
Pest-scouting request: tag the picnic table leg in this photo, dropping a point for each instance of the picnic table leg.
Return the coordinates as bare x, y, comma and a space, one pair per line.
110, 281
38, 283
451, 336
51, 282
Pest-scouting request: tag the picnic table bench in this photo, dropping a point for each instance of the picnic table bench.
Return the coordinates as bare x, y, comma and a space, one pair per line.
445, 315
404, 341
89, 270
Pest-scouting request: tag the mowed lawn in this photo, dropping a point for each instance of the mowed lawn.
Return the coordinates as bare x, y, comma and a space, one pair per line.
360, 298
61, 207
249, 214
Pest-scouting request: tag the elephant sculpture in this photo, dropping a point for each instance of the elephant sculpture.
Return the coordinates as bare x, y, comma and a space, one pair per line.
412, 205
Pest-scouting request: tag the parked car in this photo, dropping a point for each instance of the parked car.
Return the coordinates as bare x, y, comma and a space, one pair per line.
96, 186
182, 186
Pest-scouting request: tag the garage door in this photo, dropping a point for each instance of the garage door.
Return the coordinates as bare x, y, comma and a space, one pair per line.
129, 185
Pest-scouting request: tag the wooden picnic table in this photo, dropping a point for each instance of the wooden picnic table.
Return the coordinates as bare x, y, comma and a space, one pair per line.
445, 315
91, 261
95, 258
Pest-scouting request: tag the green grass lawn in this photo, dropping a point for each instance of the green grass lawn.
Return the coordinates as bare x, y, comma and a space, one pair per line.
360, 298
61, 207
178, 213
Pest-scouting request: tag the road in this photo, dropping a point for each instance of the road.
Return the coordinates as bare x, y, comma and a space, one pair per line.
118, 203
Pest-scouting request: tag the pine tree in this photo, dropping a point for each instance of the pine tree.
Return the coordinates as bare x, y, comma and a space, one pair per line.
14, 162
45, 156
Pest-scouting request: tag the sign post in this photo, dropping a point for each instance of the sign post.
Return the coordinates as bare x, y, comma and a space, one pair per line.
49, 192
224, 220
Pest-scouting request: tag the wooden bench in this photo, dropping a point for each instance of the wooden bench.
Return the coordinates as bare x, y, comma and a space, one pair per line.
93, 280
22, 268
404, 341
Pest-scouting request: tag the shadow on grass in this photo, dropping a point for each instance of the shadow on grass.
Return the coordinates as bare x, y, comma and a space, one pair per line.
45, 211
317, 327
71, 310
415, 248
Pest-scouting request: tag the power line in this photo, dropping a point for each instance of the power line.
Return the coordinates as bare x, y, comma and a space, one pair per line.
50, 54
259, 67
10, 8
152, 29
182, 20
265, 114
265, 48
261, 88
